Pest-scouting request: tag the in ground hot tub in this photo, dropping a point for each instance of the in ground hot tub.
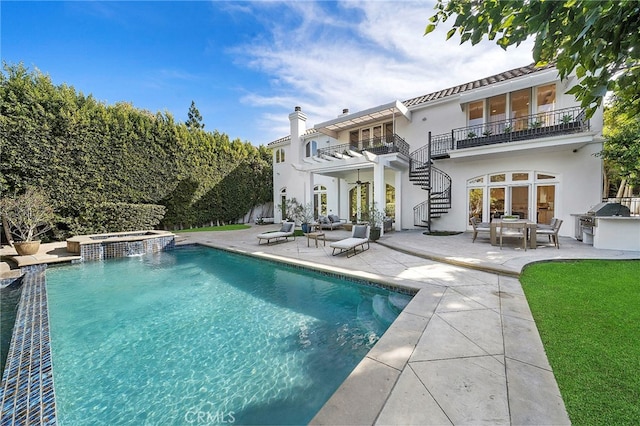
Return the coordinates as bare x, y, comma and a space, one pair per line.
120, 244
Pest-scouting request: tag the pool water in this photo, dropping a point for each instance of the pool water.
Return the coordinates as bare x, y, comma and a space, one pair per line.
198, 335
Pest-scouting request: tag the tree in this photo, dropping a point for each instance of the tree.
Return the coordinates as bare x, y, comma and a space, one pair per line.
599, 40
621, 151
195, 119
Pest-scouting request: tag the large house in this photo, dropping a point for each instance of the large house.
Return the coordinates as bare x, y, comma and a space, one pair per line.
512, 143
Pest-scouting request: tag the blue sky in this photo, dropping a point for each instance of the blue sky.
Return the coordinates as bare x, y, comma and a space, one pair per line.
245, 64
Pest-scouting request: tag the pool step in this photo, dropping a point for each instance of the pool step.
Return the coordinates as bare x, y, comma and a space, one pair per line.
399, 301
382, 310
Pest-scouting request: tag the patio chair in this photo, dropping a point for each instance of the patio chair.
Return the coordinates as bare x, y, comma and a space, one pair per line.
359, 237
515, 230
286, 231
479, 227
551, 232
551, 224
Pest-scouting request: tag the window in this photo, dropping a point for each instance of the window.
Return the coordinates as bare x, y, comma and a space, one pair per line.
520, 101
498, 108
311, 148
476, 113
546, 97
520, 176
280, 155
501, 177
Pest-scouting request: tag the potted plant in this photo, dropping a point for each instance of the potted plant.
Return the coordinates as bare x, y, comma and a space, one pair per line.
304, 215
27, 217
376, 219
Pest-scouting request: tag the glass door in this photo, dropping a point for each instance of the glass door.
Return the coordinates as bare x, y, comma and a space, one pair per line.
497, 201
545, 203
520, 201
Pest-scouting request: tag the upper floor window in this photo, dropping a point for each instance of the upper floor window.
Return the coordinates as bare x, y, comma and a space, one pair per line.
311, 148
520, 101
546, 97
280, 155
476, 113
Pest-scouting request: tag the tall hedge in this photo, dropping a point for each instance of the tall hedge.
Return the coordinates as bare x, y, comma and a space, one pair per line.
85, 153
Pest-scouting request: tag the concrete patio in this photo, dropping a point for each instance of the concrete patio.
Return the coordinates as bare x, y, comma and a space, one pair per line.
465, 350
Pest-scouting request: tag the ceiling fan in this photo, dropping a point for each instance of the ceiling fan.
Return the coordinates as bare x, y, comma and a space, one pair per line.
358, 182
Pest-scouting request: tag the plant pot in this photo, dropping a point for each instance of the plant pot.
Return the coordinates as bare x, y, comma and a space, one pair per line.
26, 248
305, 227
374, 234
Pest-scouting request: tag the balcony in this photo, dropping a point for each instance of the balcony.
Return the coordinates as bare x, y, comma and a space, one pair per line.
552, 123
379, 146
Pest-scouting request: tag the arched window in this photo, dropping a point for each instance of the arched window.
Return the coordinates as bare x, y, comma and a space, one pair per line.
280, 155
311, 148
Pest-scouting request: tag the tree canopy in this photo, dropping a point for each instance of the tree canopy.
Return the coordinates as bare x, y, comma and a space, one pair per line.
598, 40
621, 151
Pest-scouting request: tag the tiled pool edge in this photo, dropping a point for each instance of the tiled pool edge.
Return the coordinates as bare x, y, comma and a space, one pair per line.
27, 383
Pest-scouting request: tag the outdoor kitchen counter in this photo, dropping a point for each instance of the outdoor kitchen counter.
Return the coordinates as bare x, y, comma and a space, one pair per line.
617, 233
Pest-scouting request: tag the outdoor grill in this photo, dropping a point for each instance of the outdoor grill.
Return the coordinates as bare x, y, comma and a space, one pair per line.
586, 222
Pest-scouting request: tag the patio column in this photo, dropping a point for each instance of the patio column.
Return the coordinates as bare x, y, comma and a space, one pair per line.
398, 192
379, 189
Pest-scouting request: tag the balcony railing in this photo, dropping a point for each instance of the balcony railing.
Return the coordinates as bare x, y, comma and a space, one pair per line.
567, 120
382, 145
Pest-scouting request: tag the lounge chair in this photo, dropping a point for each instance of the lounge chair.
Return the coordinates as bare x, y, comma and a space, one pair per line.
359, 237
331, 222
551, 232
479, 227
284, 233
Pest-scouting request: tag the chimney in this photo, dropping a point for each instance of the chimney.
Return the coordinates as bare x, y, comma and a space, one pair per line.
298, 126
345, 111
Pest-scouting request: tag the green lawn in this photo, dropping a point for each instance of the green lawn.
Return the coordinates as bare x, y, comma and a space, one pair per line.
216, 228
588, 315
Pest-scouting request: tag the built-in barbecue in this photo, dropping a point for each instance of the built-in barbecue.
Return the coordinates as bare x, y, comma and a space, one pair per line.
587, 221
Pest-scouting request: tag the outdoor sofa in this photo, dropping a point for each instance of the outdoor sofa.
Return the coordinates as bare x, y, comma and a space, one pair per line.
331, 222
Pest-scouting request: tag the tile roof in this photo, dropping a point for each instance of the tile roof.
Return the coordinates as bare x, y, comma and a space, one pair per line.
311, 131
497, 78
483, 82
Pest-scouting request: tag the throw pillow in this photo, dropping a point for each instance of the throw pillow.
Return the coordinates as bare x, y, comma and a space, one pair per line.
360, 231
334, 218
286, 227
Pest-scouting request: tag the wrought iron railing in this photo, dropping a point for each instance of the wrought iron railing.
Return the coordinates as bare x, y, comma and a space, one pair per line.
380, 145
567, 120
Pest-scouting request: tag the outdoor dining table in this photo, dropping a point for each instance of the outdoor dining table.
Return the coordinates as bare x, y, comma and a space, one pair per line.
518, 223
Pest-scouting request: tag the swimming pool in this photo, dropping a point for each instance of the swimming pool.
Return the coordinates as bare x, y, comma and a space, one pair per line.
198, 334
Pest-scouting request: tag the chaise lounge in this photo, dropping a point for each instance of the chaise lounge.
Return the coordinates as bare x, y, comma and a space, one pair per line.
285, 232
359, 237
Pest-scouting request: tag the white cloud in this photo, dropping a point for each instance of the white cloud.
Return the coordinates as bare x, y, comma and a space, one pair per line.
368, 54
